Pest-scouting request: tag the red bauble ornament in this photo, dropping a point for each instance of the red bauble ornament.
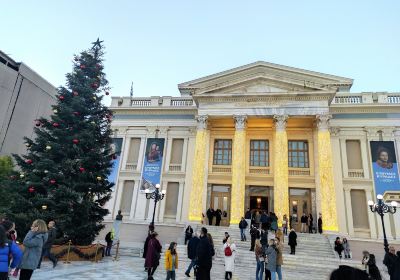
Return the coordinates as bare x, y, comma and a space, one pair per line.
107, 93
61, 97
75, 141
81, 169
75, 93
76, 113
38, 123
52, 181
55, 124
83, 66
28, 161
31, 189
95, 85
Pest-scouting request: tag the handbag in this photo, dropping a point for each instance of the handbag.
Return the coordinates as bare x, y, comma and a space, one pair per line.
266, 259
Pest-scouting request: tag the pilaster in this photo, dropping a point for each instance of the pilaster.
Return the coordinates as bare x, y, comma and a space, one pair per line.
349, 209
372, 216
180, 201
134, 199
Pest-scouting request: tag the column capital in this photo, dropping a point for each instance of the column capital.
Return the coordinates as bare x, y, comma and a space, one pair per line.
202, 122
334, 130
396, 132
280, 122
240, 121
323, 121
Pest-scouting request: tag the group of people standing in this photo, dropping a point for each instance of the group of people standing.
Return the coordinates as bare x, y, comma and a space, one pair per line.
37, 244
342, 246
218, 214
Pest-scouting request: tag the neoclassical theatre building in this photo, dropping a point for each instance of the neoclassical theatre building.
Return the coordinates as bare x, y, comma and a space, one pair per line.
260, 136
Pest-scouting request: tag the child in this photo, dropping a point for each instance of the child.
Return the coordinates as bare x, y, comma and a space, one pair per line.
171, 261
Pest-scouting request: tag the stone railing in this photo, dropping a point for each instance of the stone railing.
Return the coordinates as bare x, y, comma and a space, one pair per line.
221, 169
259, 170
355, 173
175, 167
131, 166
299, 171
154, 101
367, 98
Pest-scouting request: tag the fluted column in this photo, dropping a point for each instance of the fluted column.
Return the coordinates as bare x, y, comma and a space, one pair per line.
238, 170
281, 169
326, 183
199, 180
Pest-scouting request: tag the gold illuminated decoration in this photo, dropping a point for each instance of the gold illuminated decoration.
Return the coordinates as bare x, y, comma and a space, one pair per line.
238, 171
199, 171
326, 183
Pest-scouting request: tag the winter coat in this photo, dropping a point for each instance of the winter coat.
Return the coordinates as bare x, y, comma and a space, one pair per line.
390, 261
230, 260
51, 237
255, 233
279, 254
210, 213
33, 244
188, 232
310, 221
257, 218
346, 247
263, 218
373, 270
304, 219
274, 223
338, 247
205, 252
109, 237
192, 247
271, 254
396, 268
264, 238
247, 216
10, 248
146, 245
258, 251
292, 238
153, 253
169, 259
281, 236
243, 224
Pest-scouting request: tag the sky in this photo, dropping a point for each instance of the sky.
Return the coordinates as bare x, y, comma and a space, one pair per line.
159, 44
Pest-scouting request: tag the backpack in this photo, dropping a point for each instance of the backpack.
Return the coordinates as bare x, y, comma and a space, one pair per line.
228, 251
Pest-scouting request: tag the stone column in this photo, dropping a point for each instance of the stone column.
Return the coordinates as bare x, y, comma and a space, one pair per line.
199, 177
326, 183
281, 168
238, 170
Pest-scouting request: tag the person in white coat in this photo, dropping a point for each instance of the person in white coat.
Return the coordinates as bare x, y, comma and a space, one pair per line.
229, 253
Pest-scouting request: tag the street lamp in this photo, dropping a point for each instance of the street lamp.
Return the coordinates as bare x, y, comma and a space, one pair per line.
157, 196
381, 208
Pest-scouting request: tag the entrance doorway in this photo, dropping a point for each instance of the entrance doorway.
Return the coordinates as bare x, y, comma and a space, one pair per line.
258, 198
259, 203
221, 200
299, 203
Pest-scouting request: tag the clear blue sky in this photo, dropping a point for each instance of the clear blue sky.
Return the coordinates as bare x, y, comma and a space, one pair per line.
158, 44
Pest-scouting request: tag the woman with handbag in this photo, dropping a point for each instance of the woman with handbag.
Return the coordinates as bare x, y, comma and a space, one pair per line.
260, 258
230, 253
171, 261
270, 259
153, 255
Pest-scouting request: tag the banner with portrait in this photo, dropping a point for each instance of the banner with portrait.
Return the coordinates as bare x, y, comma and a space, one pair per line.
152, 163
116, 147
385, 167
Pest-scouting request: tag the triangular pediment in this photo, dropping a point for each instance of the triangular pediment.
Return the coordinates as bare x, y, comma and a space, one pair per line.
263, 78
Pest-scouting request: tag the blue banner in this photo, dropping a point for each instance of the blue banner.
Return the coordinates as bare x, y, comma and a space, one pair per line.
384, 165
152, 166
116, 147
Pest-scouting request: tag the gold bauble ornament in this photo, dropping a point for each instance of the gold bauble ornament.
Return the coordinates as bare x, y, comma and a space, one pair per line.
21, 175
98, 178
48, 147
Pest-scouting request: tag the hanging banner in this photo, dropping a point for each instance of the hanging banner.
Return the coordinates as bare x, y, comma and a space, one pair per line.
385, 168
116, 147
152, 165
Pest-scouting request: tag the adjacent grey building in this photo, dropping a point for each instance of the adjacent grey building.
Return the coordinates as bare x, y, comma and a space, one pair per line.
24, 97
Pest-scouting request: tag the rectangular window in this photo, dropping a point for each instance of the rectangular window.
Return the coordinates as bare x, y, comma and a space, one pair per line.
353, 150
177, 151
134, 148
298, 154
259, 153
222, 152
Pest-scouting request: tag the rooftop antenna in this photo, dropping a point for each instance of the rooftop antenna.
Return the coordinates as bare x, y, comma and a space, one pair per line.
131, 94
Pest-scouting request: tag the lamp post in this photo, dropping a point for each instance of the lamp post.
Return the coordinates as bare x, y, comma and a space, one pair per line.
381, 208
157, 196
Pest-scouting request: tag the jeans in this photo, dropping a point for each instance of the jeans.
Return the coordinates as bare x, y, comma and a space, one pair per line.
191, 265
170, 275
46, 252
25, 274
285, 230
108, 249
243, 234
273, 275
279, 272
259, 270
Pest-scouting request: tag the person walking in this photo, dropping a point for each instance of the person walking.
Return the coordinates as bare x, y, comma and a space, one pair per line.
260, 258
338, 247
229, 257
8, 248
310, 223
320, 223
292, 241
205, 252
192, 252
248, 217
303, 221
188, 233
226, 236
210, 215
51, 237
279, 257
171, 261
346, 248
109, 240
285, 223
243, 225
274, 222
153, 255
270, 258
254, 234
33, 243
390, 261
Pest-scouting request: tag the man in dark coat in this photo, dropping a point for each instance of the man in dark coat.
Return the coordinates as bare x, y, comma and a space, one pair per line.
320, 223
292, 241
205, 253
264, 220
46, 250
153, 255
396, 268
243, 225
255, 234
390, 261
192, 252
218, 216
210, 215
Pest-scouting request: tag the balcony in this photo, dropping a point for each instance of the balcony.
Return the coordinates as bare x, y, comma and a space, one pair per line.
355, 173
131, 166
221, 169
154, 101
299, 171
366, 98
173, 167
259, 170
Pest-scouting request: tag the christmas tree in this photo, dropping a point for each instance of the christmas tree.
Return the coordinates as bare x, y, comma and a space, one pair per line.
64, 174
